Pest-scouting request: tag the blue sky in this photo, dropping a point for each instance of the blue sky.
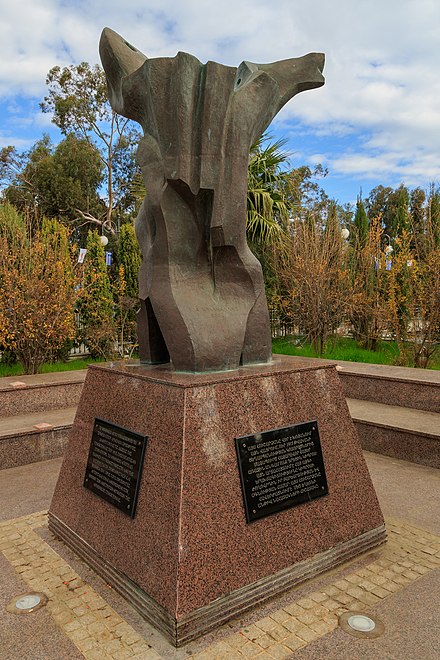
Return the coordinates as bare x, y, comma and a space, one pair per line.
376, 121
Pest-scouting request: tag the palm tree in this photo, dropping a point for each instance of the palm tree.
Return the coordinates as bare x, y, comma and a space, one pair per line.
267, 208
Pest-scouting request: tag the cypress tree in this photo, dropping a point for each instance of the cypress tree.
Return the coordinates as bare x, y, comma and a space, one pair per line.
96, 303
129, 256
361, 223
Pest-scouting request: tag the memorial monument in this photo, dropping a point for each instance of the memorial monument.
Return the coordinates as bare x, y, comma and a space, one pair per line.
209, 476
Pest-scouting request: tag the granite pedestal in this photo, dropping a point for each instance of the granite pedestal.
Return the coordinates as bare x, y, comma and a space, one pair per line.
188, 560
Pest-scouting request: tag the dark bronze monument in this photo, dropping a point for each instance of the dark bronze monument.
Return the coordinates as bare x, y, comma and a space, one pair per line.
202, 290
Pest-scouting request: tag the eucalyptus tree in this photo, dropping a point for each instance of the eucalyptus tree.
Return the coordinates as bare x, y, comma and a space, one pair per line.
78, 102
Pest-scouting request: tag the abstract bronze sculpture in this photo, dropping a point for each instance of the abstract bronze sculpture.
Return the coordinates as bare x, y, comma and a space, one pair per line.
203, 304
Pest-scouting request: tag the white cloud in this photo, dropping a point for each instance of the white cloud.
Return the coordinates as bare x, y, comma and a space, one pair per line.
382, 87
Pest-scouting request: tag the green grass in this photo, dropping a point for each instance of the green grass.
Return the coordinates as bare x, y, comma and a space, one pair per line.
344, 348
340, 348
48, 367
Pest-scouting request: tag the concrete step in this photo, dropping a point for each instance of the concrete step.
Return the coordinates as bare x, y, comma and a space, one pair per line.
34, 437
405, 433
22, 395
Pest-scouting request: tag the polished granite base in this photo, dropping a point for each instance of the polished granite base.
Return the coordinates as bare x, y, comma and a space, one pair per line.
188, 560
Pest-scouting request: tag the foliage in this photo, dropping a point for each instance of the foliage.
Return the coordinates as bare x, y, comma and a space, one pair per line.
317, 278
78, 102
414, 302
360, 225
96, 301
127, 289
392, 206
267, 209
50, 181
125, 316
36, 295
368, 313
129, 256
304, 193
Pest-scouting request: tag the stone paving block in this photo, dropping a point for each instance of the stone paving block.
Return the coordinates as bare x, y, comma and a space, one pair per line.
252, 632
278, 633
307, 634
307, 617
294, 609
293, 624
342, 598
321, 628
266, 624
319, 611
306, 603
279, 616
369, 598
111, 646
96, 654
331, 604
123, 654
356, 592
139, 648
279, 652
130, 637
78, 634
331, 590
85, 644
355, 606
293, 642
381, 592
249, 650
264, 641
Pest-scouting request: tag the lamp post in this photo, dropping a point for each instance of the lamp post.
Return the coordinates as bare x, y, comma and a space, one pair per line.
388, 249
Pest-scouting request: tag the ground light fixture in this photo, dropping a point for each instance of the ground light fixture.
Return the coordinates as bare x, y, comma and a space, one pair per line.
27, 603
361, 625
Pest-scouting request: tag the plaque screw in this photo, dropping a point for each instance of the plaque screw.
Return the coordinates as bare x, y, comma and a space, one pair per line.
244, 446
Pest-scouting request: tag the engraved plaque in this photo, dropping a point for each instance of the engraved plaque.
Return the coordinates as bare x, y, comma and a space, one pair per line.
114, 465
280, 469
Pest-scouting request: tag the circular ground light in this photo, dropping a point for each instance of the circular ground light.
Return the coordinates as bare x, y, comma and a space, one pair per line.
361, 625
27, 603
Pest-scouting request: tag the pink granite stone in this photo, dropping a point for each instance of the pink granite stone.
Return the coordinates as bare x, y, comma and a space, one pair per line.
189, 542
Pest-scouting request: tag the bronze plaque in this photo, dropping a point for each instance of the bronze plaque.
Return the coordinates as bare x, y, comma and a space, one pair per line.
280, 469
114, 465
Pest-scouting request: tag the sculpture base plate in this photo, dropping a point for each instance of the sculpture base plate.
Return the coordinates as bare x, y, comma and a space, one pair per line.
206, 618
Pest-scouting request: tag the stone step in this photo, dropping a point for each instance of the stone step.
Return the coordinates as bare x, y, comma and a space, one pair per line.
22, 395
397, 386
404, 433
34, 437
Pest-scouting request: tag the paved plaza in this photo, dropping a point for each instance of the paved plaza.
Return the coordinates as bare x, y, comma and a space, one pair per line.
397, 584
